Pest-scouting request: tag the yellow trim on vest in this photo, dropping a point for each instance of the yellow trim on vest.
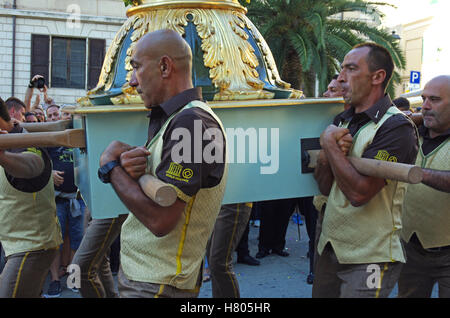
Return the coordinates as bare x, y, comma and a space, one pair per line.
90, 278
196, 289
229, 249
16, 286
183, 235
377, 294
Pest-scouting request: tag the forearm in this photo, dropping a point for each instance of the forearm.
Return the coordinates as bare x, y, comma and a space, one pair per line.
22, 165
323, 174
159, 220
27, 100
437, 179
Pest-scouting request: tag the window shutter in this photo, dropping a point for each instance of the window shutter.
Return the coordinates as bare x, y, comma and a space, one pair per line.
96, 57
40, 56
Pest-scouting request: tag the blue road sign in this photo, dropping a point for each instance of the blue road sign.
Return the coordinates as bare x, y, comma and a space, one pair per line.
414, 78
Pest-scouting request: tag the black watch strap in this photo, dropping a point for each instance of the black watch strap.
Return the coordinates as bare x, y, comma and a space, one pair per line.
104, 171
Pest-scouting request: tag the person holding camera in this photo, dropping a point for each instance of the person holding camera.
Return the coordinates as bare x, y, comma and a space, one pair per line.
38, 81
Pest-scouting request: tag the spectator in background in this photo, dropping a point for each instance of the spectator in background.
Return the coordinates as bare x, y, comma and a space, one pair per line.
38, 81
334, 89
64, 114
16, 108
53, 113
69, 204
39, 112
402, 104
30, 117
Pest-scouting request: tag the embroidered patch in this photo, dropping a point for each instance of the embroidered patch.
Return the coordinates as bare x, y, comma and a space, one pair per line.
393, 158
187, 173
385, 156
177, 172
34, 150
382, 155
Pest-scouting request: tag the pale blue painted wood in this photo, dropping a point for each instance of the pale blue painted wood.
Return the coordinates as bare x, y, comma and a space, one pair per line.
246, 183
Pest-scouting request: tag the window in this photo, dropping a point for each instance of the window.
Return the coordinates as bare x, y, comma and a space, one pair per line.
40, 49
68, 63
67, 67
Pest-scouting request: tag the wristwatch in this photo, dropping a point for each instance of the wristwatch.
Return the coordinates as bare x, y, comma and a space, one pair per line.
105, 171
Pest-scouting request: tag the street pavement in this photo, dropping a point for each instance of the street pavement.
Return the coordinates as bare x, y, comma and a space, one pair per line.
275, 277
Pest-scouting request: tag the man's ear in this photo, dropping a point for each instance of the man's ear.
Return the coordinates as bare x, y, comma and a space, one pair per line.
378, 77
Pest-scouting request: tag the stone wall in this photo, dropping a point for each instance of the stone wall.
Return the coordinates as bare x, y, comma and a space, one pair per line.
53, 23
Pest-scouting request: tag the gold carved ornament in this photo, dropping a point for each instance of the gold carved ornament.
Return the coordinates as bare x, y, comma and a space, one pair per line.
229, 56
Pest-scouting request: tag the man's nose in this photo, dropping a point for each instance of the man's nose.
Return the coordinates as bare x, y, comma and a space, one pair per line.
426, 104
133, 80
341, 77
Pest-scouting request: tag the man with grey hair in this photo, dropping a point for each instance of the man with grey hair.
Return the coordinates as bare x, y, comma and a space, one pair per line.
426, 221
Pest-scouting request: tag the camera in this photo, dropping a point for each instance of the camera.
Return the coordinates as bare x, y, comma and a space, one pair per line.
38, 83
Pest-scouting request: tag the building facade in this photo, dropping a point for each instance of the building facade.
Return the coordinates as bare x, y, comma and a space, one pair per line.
63, 40
420, 25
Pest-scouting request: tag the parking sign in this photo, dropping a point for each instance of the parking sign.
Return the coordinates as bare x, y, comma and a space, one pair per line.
414, 77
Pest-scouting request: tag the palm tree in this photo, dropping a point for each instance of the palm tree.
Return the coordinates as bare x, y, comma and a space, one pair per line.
309, 38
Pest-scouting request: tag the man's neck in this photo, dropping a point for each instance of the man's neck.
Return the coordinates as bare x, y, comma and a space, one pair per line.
371, 99
433, 133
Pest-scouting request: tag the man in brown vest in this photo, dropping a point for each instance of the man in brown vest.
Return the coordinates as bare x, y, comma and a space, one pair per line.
359, 247
426, 218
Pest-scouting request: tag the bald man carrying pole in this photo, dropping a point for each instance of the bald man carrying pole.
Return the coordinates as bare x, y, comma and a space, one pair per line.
426, 218
162, 248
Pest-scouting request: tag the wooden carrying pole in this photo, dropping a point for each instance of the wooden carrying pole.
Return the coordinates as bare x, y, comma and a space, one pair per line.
377, 168
47, 126
73, 138
160, 192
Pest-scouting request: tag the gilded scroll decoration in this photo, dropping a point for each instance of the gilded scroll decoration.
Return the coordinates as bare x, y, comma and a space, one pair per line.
106, 79
228, 54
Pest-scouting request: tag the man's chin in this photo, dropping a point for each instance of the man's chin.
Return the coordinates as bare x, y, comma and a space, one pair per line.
428, 122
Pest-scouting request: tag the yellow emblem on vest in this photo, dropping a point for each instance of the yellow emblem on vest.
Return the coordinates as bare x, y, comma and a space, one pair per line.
382, 155
177, 172
174, 170
393, 158
187, 173
385, 156
35, 151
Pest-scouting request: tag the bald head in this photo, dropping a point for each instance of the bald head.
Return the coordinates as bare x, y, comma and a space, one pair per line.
442, 81
160, 43
162, 64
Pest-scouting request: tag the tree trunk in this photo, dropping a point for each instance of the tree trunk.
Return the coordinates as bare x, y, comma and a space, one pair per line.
292, 69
